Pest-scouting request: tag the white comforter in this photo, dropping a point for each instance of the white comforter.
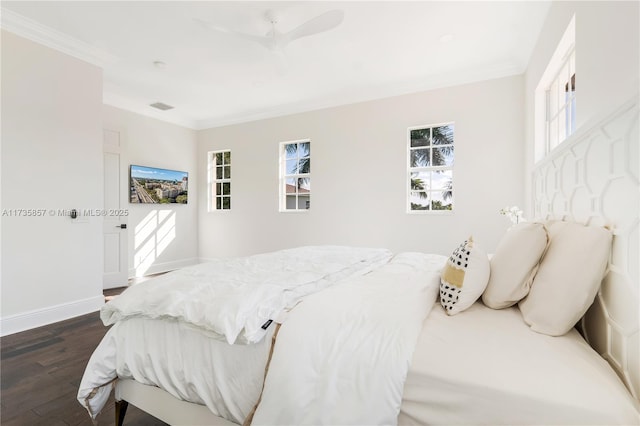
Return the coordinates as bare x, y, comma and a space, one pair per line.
182, 361
342, 355
234, 298
228, 300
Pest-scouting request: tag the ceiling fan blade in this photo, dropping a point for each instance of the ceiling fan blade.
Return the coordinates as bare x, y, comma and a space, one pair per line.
264, 41
321, 23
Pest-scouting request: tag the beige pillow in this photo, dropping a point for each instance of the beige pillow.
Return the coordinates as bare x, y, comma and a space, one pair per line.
514, 264
568, 278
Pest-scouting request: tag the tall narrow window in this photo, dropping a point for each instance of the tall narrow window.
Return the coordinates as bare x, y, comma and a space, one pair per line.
430, 174
555, 96
220, 180
295, 175
561, 102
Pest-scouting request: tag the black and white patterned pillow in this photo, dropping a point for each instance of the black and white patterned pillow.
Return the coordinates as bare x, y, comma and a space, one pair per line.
464, 277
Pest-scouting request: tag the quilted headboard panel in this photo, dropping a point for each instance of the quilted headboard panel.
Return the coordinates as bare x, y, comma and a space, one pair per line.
593, 178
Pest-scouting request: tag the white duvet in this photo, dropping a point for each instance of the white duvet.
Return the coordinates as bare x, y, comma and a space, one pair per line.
234, 298
182, 361
228, 300
342, 355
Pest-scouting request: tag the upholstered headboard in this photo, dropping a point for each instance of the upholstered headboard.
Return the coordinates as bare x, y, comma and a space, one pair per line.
593, 178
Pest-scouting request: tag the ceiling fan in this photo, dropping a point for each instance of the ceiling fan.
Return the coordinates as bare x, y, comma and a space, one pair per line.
276, 40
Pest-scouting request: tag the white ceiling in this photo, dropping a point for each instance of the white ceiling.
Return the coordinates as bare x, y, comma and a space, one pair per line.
214, 78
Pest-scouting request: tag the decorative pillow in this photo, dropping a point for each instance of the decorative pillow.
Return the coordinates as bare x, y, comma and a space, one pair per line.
568, 278
515, 263
463, 278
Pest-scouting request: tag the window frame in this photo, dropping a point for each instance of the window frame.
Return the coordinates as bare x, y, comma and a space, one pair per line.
214, 181
284, 176
428, 169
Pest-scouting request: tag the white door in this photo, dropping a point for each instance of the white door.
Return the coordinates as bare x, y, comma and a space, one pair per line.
115, 226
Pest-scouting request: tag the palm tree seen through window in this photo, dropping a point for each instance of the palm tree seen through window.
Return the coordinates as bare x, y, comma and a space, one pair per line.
295, 175
431, 153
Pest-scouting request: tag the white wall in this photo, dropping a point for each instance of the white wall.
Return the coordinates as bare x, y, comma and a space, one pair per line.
51, 159
160, 237
607, 61
359, 168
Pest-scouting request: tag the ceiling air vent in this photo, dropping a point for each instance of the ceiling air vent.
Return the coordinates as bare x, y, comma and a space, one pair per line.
161, 106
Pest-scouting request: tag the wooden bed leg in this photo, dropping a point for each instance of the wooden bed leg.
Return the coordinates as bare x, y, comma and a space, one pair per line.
121, 410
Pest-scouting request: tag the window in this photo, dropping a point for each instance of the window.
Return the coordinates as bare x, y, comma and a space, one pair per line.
561, 103
220, 180
430, 174
555, 97
295, 175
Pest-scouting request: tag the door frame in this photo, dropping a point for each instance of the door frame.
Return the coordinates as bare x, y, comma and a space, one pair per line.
112, 143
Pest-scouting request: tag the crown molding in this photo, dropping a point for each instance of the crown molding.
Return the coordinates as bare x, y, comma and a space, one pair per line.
47, 36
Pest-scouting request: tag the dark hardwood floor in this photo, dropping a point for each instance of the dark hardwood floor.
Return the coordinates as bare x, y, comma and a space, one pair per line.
40, 371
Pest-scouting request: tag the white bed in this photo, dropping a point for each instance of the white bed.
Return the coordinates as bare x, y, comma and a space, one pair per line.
484, 366
481, 366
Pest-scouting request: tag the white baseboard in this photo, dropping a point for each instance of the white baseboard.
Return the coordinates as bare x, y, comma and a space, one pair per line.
158, 268
39, 317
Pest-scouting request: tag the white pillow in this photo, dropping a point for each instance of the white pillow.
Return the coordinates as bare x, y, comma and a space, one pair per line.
568, 278
515, 263
463, 278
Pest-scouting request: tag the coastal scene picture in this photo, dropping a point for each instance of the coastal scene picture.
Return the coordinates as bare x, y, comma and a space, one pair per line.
150, 185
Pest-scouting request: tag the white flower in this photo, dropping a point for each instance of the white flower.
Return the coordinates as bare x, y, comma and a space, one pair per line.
513, 213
